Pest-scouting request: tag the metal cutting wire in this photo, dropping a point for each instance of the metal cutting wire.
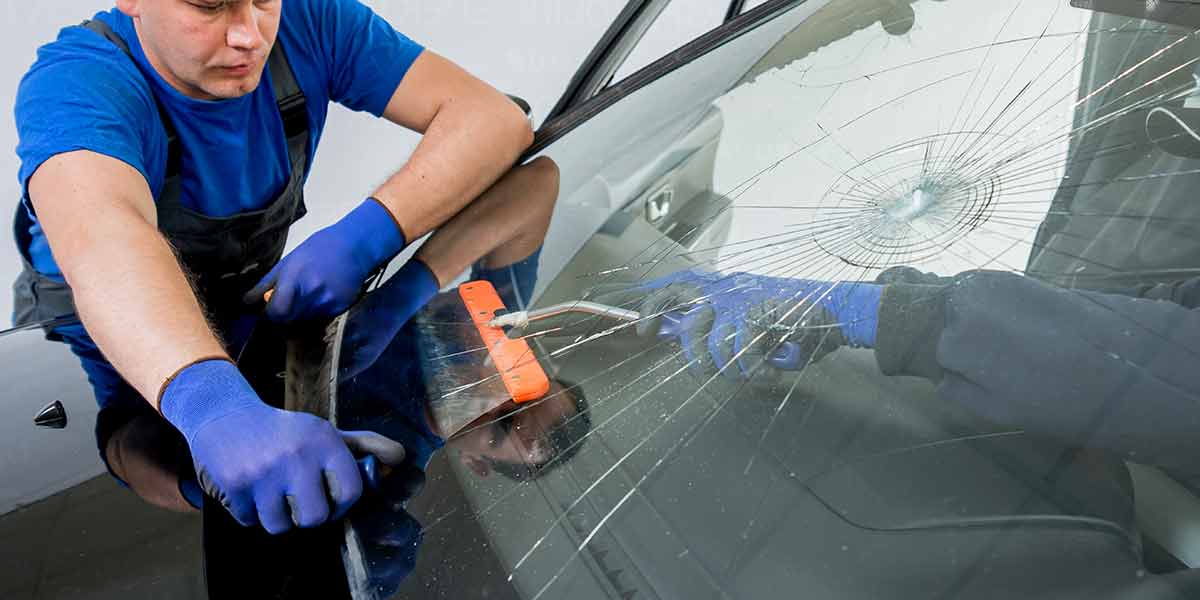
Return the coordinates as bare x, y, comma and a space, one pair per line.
522, 319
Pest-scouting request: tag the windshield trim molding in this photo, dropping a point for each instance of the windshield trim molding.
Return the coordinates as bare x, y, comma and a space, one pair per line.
559, 125
606, 57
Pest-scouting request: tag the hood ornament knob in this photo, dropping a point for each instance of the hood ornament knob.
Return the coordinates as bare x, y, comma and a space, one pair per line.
53, 416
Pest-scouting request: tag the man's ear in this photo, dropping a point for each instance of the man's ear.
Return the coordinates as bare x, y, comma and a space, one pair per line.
131, 8
479, 467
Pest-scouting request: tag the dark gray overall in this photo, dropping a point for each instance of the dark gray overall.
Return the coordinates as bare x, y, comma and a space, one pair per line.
224, 257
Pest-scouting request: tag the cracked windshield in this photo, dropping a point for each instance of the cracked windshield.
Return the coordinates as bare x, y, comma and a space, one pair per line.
873, 299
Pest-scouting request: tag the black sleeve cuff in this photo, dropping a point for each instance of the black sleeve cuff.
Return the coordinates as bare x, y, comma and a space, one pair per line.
911, 320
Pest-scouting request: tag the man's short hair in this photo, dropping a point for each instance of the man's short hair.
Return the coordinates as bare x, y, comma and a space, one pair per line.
564, 439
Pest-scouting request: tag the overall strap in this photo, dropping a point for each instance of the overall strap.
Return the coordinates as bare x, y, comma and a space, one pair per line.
293, 106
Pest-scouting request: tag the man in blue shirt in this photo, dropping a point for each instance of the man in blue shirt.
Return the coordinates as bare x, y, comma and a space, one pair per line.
164, 146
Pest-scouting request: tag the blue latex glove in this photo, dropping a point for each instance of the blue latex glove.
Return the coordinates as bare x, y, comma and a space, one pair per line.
789, 323
266, 466
325, 274
379, 317
368, 470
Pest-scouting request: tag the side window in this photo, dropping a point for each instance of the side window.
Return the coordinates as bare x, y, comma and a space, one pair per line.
751, 5
680, 22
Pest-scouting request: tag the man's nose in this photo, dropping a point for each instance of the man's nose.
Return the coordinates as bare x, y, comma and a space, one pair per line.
243, 32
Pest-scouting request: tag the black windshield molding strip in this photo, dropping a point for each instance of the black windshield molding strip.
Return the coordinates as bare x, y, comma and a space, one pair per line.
735, 9
558, 126
604, 59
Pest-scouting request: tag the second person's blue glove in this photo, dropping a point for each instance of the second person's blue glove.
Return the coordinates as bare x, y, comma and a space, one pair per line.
788, 323
325, 274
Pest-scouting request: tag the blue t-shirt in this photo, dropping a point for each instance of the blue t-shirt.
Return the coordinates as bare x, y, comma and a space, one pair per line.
83, 93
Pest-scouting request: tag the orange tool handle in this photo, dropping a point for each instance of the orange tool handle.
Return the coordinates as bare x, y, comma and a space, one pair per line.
519, 368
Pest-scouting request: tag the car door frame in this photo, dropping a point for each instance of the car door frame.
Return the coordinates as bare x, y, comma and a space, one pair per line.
589, 90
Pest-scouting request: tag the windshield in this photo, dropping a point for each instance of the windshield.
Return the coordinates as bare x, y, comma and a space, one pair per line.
876, 300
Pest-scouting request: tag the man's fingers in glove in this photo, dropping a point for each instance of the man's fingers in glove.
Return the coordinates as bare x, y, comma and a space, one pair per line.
689, 330
307, 500
343, 483
788, 356
750, 347
284, 304
241, 506
670, 299
255, 295
387, 450
652, 308
721, 346
272, 512
781, 315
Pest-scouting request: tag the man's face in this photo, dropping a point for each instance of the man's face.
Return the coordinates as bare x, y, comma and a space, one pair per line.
207, 49
515, 433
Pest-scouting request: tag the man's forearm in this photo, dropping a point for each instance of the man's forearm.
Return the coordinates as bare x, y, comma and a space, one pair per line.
469, 144
505, 224
150, 324
129, 290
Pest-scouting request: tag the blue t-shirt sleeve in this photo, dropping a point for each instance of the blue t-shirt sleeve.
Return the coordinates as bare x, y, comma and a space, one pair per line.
366, 58
81, 94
